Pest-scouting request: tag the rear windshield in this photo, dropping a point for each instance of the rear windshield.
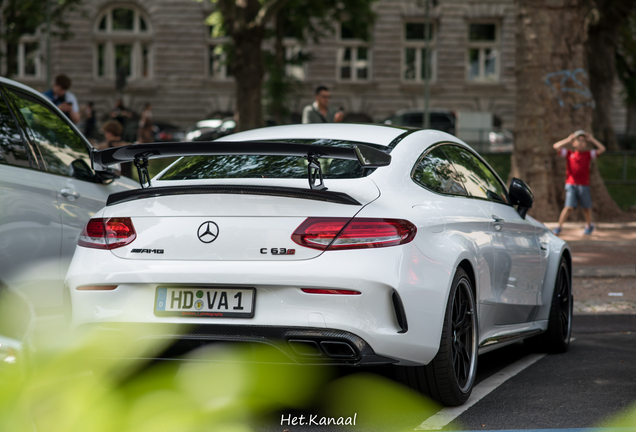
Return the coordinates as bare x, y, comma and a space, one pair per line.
254, 166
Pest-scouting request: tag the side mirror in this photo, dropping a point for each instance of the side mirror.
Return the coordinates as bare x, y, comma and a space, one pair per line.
521, 196
79, 169
107, 176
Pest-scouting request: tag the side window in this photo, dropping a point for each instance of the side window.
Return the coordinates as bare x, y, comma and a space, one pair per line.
12, 148
436, 173
479, 180
62, 149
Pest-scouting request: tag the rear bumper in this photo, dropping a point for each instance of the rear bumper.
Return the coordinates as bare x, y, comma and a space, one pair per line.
367, 320
298, 345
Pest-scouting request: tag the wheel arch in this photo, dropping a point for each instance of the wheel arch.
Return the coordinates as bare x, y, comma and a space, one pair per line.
561, 251
568, 260
468, 268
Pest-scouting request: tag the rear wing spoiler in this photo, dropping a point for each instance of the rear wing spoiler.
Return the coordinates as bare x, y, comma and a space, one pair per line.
139, 154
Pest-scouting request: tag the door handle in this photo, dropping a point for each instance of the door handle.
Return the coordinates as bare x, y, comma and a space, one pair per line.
70, 194
498, 222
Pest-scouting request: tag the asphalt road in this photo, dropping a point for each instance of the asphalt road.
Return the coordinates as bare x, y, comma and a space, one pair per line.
585, 387
590, 385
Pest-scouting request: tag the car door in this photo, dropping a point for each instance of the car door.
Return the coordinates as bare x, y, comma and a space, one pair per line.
515, 289
453, 214
63, 154
30, 223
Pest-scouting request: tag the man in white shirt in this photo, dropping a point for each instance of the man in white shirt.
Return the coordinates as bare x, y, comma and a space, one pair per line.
319, 111
64, 99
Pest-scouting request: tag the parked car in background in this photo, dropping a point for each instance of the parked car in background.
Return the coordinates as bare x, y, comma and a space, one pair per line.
501, 141
341, 244
48, 191
193, 132
17, 322
440, 119
167, 132
209, 130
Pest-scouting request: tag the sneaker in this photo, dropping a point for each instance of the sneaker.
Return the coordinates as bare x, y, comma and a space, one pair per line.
588, 229
557, 230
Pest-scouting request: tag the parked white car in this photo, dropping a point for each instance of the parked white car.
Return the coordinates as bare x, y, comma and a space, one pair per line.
48, 192
405, 249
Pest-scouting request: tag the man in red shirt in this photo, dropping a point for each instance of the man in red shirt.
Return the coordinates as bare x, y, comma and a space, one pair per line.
577, 173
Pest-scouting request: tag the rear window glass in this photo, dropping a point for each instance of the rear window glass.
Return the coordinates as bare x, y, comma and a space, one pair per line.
255, 166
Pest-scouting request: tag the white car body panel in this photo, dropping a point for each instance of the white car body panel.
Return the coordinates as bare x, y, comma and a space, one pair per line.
44, 213
450, 231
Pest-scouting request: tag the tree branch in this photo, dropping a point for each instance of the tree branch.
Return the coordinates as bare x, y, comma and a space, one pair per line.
228, 11
267, 11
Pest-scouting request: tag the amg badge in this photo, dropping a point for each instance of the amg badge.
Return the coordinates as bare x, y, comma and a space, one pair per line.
148, 251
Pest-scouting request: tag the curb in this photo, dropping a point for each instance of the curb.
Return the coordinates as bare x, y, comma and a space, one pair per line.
604, 271
592, 307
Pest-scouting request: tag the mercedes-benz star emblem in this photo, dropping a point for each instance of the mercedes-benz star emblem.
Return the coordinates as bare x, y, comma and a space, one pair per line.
208, 232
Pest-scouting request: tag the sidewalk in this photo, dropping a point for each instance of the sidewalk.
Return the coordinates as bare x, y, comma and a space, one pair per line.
604, 267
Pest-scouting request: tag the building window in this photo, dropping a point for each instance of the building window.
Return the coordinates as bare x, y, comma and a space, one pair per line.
354, 58
418, 62
294, 55
218, 55
218, 59
27, 62
483, 52
123, 44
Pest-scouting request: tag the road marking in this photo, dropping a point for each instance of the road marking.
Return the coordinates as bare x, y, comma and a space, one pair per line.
446, 415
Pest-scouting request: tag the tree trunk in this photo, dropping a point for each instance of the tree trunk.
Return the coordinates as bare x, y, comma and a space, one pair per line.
12, 59
630, 130
600, 49
600, 58
550, 61
277, 98
248, 72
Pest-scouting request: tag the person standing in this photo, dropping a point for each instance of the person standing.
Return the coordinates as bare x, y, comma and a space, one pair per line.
113, 131
64, 99
319, 111
145, 132
577, 170
89, 121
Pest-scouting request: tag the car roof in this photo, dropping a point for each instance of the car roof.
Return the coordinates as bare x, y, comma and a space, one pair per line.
32, 91
21, 86
43, 99
364, 133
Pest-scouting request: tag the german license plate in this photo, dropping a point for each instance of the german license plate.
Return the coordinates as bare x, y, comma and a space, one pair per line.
205, 302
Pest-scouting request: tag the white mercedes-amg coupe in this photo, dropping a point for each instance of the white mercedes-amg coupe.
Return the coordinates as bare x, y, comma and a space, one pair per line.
339, 243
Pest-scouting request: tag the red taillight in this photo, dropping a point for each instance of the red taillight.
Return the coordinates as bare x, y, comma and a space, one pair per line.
344, 233
330, 291
107, 233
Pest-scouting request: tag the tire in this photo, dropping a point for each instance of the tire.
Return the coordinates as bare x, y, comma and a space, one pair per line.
450, 376
556, 339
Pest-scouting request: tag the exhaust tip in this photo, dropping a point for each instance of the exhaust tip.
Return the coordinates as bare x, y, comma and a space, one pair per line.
338, 349
305, 347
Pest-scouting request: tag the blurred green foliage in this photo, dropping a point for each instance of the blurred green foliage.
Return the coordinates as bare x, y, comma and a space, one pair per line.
96, 383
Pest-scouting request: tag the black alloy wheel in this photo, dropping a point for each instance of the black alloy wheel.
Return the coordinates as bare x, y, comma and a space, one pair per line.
449, 378
564, 302
556, 339
463, 347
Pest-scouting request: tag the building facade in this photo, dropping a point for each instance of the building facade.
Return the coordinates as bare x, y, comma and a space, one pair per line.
169, 58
